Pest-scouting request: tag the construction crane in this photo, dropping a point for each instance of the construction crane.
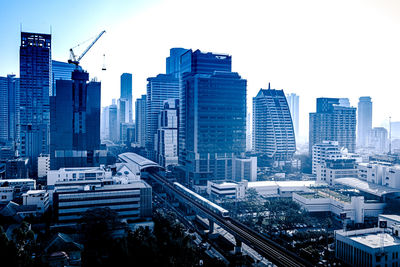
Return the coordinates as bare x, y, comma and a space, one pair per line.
74, 60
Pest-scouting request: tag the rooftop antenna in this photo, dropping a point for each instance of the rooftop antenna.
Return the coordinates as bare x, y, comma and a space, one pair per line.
390, 135
104, 62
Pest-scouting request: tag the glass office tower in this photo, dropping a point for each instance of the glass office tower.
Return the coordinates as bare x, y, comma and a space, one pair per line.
126, 93
212, 122
75, 122
35, 88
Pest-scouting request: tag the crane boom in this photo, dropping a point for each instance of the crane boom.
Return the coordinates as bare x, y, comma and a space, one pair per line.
74, 60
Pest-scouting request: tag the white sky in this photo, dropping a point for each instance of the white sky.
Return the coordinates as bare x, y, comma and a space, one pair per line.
314, 48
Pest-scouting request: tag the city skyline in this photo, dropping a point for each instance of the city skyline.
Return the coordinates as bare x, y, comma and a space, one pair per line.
294, 61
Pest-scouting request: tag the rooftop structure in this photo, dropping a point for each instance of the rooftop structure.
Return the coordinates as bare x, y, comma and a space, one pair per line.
373, 189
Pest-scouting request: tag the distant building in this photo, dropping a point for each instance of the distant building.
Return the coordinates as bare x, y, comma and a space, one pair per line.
323, 151
130, 201
17, 168
35, 88
166, 145
159, 88
75, 122
293, 103
333, 121
29, 183
43, 165
273, 133
110, 117
364, 120
380, 174
122, 116
140, 121
126, 93
378, 139
9, 110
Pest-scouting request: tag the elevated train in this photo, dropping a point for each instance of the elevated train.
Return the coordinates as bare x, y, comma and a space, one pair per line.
201, 200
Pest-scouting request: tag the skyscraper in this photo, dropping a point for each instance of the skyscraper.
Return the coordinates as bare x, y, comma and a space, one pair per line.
61, 71
364, 120
126, 93
212, 120
75, 122
378, 140
35, 88
333, 122
167, 134
293, 102
140, 121
9, 109
173, 62
122, 115
159, 88
273, 133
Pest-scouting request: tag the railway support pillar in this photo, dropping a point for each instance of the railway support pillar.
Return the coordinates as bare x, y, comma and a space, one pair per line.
210, 226
238, 246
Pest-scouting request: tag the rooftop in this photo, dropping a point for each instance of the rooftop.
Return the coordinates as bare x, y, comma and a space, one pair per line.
372, 237
374, 189
295, 183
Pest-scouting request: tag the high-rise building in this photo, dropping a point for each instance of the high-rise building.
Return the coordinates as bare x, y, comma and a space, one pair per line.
273, 133
212, 121
9, 109
75, 121
378, 139
333, 122
293, 102
61, 71
159, 88
140, 121
35, 88
364, 121
126, 93
110, 118
122, 115
173, 62
166, 145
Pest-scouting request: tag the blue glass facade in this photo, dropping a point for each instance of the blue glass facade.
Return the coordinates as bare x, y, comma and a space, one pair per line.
9, 109
75, 120
159, 88
212, 126
61, 71
35, 88
126, 93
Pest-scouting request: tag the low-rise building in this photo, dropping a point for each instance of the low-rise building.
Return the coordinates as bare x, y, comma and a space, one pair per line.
245, 168
6, 194
78, 174
368, 247
131, 201
28, 183
233, 189
381, 173
334, 169
39, 198
348, 203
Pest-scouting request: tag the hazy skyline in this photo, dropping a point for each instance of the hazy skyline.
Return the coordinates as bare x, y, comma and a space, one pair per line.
311, 48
